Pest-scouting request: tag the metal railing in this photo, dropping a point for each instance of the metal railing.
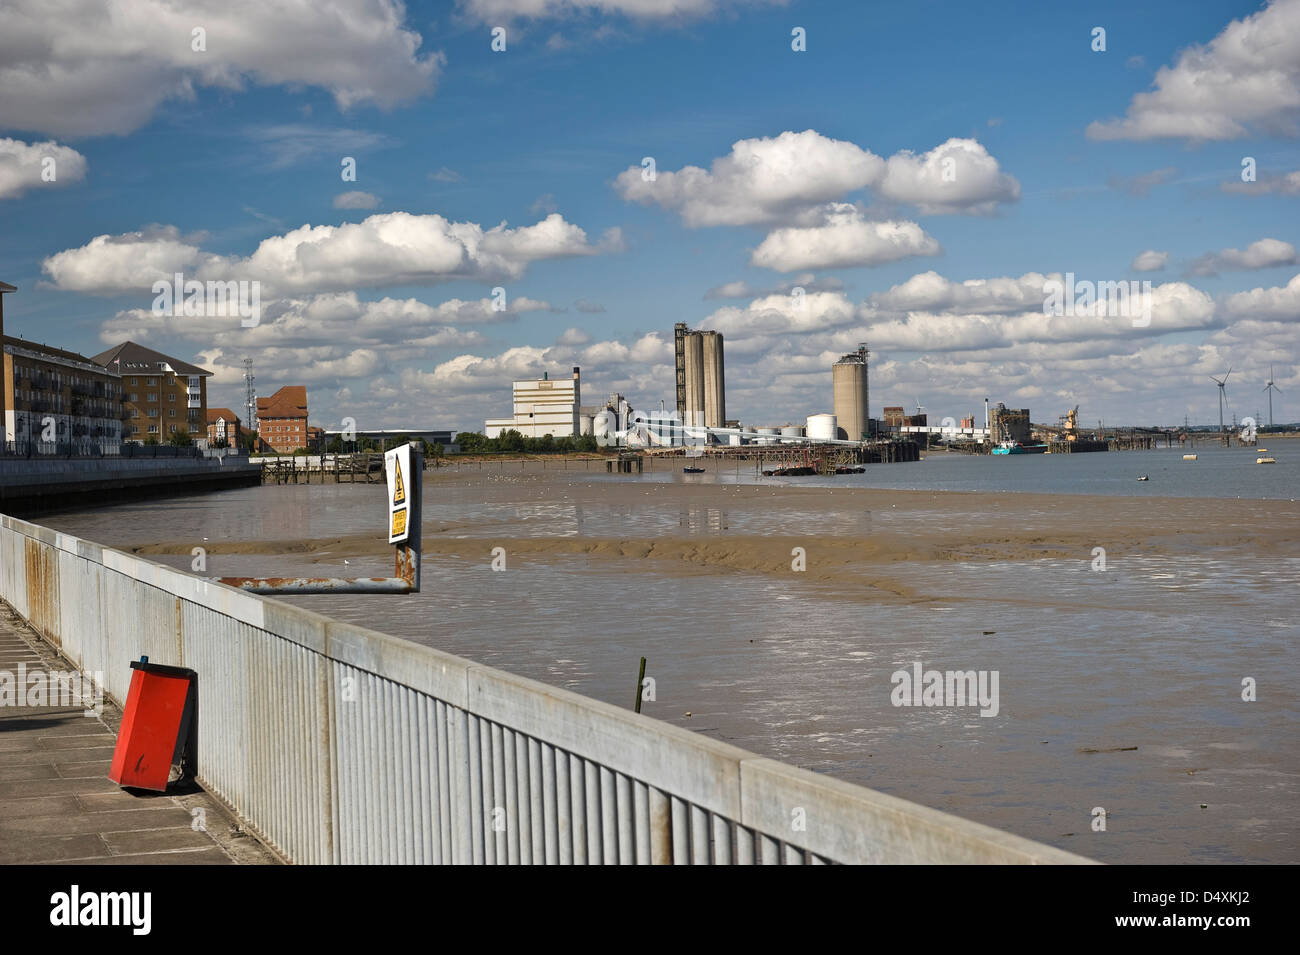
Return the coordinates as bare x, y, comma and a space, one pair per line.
340, 744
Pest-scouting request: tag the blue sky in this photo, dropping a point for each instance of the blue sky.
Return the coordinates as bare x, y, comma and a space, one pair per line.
1065, 159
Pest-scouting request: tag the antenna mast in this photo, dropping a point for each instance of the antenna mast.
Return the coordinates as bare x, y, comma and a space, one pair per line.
250, 397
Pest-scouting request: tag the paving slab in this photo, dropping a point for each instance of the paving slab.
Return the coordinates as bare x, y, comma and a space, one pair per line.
57, 804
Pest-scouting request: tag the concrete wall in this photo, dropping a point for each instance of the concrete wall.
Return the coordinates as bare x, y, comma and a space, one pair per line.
340, 744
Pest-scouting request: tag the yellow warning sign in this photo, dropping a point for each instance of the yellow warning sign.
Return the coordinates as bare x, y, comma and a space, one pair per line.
399, 488
397, 464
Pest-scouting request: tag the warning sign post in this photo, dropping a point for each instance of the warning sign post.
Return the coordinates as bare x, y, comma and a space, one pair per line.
404, 467
397, 467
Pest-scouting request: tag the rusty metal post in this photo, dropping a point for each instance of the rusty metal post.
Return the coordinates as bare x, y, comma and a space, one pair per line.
406, 579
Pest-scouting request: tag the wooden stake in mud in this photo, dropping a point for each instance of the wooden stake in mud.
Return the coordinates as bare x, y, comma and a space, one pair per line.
640, 681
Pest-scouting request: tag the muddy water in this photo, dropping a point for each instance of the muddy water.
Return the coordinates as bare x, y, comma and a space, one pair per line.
1119, 689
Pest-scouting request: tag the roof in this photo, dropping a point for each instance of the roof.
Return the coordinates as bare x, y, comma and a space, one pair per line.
289, 402
6, 287
129, 357
50, 350
215, 413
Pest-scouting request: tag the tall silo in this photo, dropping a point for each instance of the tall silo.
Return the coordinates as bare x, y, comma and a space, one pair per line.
694, 347
852, 394
680, 331
715, 404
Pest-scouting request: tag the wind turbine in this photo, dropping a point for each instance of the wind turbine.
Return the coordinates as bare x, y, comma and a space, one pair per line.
1221, 382
1270, 388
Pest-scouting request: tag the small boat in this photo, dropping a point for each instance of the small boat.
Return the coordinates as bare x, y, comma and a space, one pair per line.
1266, 460
1144, 478
1189, 457
690, 470
1017, 447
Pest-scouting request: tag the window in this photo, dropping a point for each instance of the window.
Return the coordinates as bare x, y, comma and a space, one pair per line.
171, 396
152, 396
151, 381
153, 412
153, 429
135, 396
134, 382
171, 413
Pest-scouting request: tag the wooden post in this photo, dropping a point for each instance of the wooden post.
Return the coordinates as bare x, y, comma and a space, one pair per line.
640, 680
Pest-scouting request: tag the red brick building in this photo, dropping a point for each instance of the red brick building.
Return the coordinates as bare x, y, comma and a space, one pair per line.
282, 420
223, 424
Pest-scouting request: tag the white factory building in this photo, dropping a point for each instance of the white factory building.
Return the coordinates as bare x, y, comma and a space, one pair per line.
542, 406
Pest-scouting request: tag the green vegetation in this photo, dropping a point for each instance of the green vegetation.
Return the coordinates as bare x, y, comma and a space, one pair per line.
512, 442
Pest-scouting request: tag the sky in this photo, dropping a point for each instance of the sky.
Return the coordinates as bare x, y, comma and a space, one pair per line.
438, 198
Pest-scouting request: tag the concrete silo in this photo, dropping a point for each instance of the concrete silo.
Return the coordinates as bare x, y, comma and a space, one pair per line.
852, 394
694, 348
701, 379
715, 404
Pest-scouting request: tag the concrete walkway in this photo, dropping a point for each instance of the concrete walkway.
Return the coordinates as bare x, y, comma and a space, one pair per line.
57, 804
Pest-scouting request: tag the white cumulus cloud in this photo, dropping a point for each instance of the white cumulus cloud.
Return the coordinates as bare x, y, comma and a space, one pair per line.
87, 68
27, 166
1150, 261
1263, 254
846, 238
1247, 79
388, 248
958, 176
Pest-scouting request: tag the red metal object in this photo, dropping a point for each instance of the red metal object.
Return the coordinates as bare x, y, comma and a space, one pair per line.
155, 725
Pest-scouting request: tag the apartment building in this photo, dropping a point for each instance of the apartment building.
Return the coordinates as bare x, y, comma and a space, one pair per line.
56, 399
282, 420
164, 395
223, 425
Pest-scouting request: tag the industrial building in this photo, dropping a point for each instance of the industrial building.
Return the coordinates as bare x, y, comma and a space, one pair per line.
542, 406
701, 381
1009, 424
852, 393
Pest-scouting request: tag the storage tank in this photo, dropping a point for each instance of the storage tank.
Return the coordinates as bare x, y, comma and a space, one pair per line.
767, 436
850, 385
822, 427
585, 423
791, 434
603, 425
